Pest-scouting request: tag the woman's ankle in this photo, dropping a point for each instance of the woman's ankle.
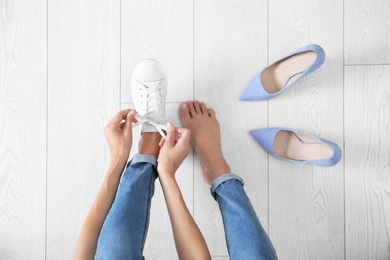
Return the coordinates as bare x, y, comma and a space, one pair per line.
149, 144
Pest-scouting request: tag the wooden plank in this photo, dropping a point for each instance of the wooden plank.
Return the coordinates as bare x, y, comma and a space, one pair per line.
306, 203
23, 101
367, 157
159, 243
230, 48
367, 32
162, 30
84, 86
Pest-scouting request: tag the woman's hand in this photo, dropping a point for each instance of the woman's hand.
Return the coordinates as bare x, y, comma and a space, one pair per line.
189, 241
174, 149
119, 138
119, 134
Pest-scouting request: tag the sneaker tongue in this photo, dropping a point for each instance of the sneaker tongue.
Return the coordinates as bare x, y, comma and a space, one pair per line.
152, 84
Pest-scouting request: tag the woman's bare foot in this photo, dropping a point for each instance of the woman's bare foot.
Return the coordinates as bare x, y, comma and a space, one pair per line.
206, 138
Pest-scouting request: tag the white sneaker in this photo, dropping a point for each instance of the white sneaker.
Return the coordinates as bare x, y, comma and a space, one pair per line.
149, 90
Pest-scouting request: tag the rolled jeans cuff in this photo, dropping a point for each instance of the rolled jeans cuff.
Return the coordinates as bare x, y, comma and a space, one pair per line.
141, 158
221, 179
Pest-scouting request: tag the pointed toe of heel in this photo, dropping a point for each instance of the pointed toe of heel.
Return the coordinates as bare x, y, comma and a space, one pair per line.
265, 137
254, 91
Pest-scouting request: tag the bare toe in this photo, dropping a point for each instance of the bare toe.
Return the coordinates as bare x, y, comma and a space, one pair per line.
197, 107
191, 107
211, 112
184, 112
203, 108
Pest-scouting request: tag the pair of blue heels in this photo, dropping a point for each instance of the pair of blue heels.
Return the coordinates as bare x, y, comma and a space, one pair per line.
283, 143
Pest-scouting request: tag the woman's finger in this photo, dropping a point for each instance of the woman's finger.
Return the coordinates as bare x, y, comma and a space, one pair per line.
170, 134
129, 121
179, 130
161, 143
177, 137
185, 135
117, 119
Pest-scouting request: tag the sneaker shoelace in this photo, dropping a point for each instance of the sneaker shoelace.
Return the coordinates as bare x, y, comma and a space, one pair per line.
142, 120
151, 99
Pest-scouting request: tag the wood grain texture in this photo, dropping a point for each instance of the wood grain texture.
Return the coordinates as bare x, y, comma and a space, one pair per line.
23, 72
162, 30
367, 162
159, 243
84, 78
367, 32
306, 203
230, 48
210, 50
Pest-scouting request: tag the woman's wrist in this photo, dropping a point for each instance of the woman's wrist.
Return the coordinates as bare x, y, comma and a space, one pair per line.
119, 158
166, 176
117, 165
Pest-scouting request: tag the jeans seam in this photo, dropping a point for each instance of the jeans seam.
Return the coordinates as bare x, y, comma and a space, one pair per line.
223, 222
147, 214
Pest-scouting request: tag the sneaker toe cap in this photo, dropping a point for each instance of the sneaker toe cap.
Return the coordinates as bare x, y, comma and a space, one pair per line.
149, 70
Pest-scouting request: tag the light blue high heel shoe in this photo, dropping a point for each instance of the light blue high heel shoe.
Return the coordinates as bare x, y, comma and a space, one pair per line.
280, 75
298, 147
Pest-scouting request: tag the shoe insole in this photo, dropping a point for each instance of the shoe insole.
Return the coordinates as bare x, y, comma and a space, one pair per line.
285, 72
287, 145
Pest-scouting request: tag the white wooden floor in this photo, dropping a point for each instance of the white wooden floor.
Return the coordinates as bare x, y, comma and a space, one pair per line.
65, 68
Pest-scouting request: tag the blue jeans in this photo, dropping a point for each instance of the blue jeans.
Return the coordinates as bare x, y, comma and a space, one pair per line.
245, 237
124, 231
125, 228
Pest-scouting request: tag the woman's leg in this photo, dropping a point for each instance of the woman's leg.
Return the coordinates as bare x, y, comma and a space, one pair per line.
245, 237
124, 231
